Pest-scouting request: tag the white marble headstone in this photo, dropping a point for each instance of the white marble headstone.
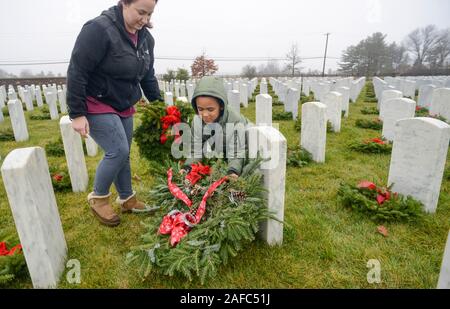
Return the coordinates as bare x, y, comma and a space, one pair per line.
418, 159
62, 101
271, 144
440, 103
28, 100
168, 98
291, 104
444, 277
190, 90
394, 110
234, 99
38, 94
30, 193
425, 95
73, 149
345, 91
314, 130
53, 108
18, 122
387, 95
263, 88
333, 101
91, 146
264, 110
244, 95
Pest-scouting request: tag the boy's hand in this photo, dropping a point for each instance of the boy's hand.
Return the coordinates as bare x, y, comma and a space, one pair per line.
233, 176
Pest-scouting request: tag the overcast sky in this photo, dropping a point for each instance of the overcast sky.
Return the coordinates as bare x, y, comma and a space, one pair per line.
45, 30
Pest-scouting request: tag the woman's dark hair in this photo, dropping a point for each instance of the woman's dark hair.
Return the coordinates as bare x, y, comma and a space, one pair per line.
128, 2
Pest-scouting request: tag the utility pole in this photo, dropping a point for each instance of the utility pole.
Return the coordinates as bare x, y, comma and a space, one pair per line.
325, 56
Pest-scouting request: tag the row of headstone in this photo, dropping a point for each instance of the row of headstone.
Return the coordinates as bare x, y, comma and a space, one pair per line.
31, 197
244, 87
409, 85
53, 95
436, 100
179, 89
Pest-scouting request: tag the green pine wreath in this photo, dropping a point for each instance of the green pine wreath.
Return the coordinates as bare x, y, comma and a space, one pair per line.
148, 134
231, 221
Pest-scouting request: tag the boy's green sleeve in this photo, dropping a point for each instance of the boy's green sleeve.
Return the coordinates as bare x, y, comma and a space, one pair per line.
236, 164
196, 138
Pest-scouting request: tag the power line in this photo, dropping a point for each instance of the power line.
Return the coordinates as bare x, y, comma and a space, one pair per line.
217, 59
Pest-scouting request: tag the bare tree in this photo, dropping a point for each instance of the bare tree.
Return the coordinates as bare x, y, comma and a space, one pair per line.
293, 60
421, 42
249, 71
440, 51
26, 73
5, 74
271, 68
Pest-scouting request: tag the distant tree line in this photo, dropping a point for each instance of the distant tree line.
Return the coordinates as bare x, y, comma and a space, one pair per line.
425, 51
26, 73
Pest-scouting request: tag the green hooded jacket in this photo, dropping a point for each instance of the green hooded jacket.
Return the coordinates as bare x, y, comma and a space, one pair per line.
213, 87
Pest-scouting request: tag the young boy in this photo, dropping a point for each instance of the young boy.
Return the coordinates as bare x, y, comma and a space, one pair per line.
211, 105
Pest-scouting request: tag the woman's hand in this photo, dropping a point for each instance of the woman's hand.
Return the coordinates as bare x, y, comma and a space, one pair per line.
81, 125
182, 171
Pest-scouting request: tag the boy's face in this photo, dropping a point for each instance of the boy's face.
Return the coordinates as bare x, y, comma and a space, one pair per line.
208, 109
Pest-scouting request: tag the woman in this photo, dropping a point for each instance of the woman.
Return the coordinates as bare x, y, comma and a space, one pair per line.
112, 58
210, 104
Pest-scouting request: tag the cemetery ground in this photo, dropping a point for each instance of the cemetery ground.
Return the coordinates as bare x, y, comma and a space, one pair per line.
324, 244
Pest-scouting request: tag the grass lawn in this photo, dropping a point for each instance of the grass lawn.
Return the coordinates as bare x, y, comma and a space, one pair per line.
325, 245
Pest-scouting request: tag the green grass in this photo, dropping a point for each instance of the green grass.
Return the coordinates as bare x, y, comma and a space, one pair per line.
324, 246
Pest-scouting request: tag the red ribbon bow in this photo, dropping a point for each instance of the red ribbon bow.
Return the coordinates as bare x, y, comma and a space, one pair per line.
178, 224
197, 171
173, 117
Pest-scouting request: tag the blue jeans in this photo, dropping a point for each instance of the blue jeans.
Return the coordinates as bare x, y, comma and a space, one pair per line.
114, 135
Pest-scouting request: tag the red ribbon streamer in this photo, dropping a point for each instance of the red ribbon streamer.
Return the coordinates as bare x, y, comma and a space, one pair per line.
173, 188
202, 208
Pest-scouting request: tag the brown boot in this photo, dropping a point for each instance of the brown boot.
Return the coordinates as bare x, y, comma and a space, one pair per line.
132, 204
102, 209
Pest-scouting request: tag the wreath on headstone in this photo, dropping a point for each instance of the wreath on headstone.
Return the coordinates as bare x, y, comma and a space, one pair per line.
374, 145
205, 220
153, 135
41, 114
376, 124
298, 157
7, 135
12, 261
60, 179
5, 111
282, 116
370, 111
380, 203
56, 148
